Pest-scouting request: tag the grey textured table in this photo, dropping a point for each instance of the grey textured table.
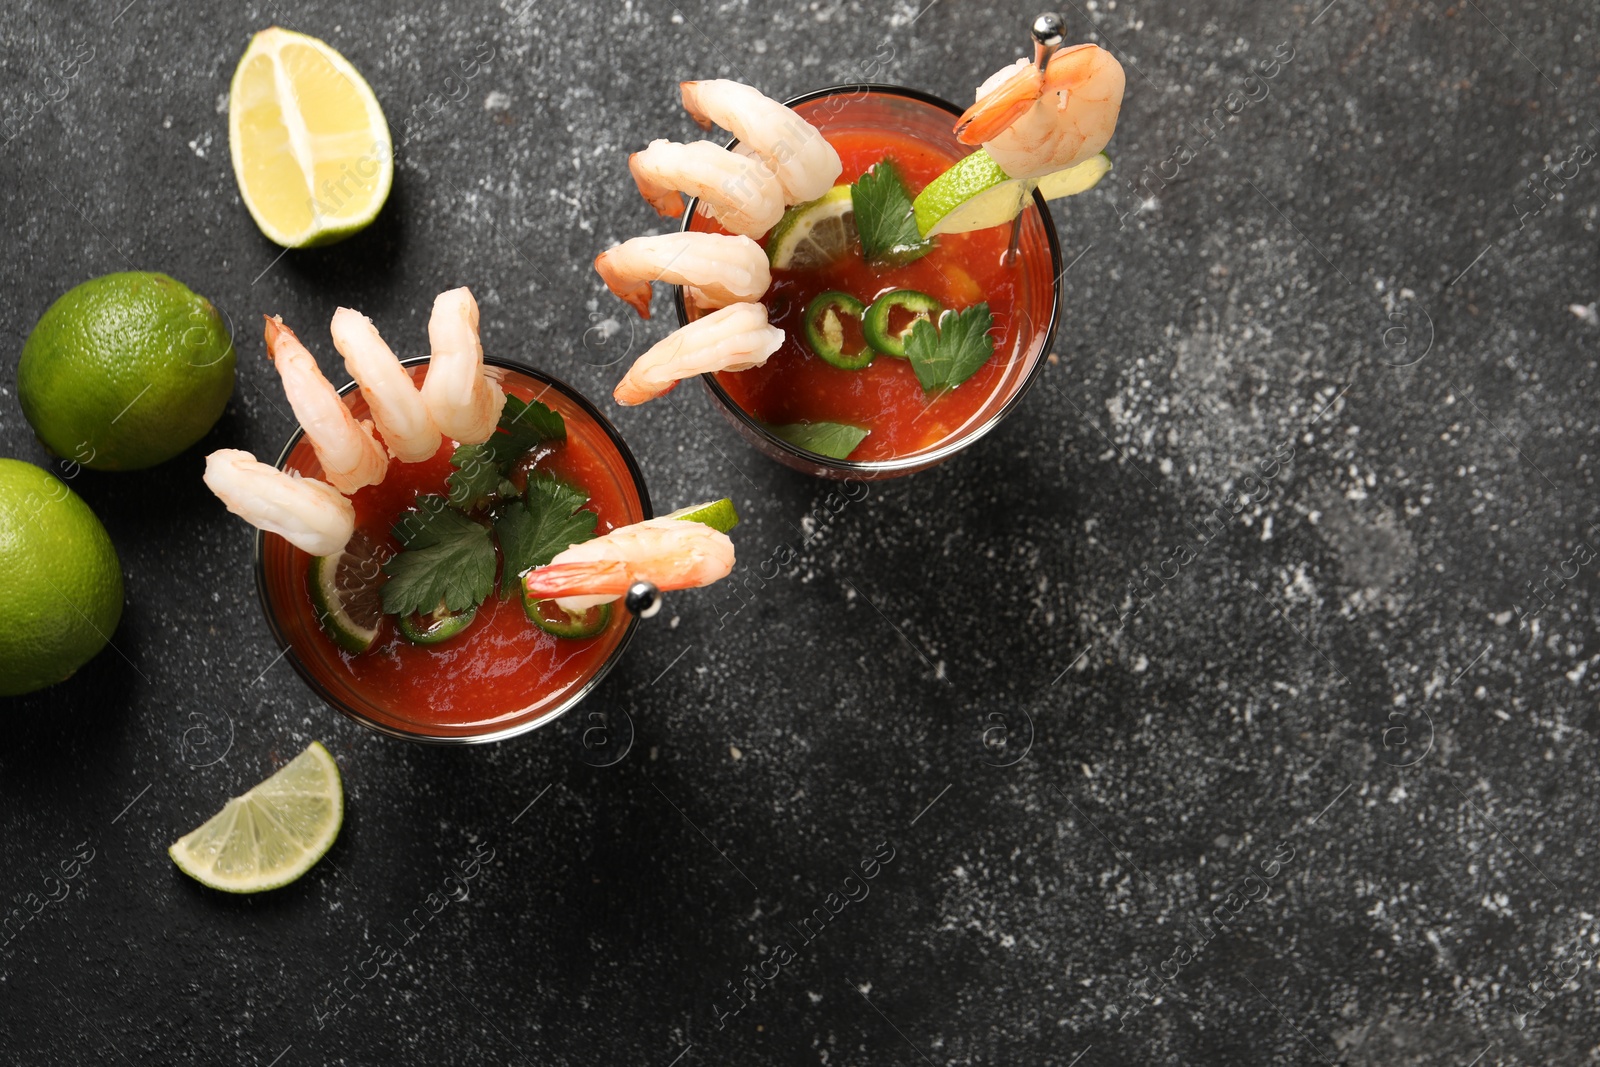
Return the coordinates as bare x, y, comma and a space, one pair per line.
1317, 787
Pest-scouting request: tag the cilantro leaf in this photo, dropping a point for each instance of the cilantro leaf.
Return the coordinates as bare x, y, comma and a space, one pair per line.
477, 476
948, 355
481, 468
884, 216
447, 557
533, 530
835, 440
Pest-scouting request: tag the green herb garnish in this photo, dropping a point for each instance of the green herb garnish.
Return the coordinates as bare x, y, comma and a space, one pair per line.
448, 559
884, 217
534, 529
836, 440
481, 468
949, 354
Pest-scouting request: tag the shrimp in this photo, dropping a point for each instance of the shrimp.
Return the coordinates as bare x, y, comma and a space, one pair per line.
739, 192
1035, 124
670, 553
735, 338
804, 163
397, 408
717, 269
463, 401
351, 457
312, 515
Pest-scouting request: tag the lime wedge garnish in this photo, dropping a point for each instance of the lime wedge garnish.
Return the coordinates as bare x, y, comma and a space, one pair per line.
976, 194
346, 589
814, 234
311, 149
717, 514
271, 835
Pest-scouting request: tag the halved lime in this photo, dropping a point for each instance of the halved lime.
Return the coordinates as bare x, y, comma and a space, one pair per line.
717, 514
975, 193
814, 234
271, 835
346, 590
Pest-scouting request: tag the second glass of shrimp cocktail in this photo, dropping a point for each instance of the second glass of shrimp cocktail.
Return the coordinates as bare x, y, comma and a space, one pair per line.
443, 545
901, 250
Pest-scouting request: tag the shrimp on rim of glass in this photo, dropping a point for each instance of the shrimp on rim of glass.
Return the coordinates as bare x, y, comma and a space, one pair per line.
313, 516
464, 402
717, 269
1034, 124
350, 455
393, 398
736, 338
804, 163
739, 192
669, 553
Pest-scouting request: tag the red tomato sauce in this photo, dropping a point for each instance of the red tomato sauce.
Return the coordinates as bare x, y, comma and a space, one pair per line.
501, 664
964, 269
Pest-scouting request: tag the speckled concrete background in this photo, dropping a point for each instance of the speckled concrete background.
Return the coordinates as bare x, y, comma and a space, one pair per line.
1317, 790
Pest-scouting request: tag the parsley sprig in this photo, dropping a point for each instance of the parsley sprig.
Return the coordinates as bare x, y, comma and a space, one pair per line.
448, 542
884, 217
945, 356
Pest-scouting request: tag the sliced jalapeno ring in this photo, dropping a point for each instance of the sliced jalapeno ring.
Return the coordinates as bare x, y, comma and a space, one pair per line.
552, 618
828, 321
878, 325
436, 626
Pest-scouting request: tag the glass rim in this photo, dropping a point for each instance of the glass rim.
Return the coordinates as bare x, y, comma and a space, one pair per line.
917, 460
572, 700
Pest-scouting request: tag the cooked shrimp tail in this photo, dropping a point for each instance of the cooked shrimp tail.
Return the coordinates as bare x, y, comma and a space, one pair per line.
464, 402
718, 269
397, 407
311, 515
671, 553
350, 455
1035, 123
736, 338
739, 192
793, 150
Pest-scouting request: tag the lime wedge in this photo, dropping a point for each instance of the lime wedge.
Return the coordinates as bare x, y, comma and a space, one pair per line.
311, 149
346, 590
717, 514
975, 193
814, 234
1075, 180
271, 835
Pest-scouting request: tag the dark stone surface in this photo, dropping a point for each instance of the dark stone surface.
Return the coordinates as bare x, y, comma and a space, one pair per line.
1237, 717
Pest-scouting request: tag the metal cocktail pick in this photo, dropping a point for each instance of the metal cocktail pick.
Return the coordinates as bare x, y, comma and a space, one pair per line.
643, 599
1049, 33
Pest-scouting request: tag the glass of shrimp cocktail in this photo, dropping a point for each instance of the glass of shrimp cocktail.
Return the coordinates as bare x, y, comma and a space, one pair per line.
442, 545
867, 277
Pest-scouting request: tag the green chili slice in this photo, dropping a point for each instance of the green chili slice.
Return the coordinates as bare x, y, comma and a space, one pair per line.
830, 320
550, 617
435, 626
885, 331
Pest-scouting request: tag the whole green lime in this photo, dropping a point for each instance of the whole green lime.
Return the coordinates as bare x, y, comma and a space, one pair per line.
62, 582
125, 371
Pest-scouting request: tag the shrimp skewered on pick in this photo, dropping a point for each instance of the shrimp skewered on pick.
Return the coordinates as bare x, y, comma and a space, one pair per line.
464, 403
1035, 123
312, 515
736, 338
351, 457
804, 163
739, 192
717, 269
669, 553
396, 405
